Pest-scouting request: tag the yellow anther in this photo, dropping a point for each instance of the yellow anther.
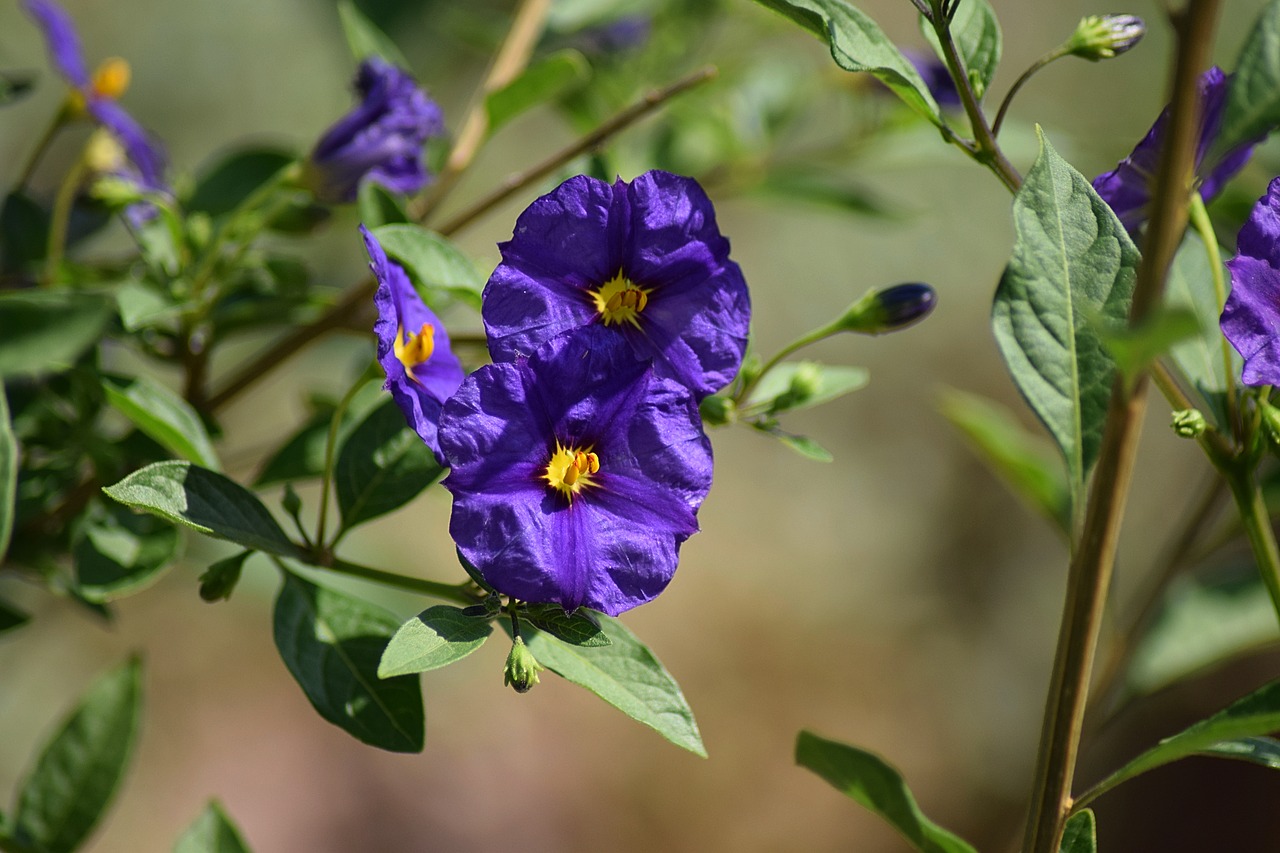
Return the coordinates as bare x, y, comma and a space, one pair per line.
620, 301
111, 79
413, 350
570, 470
571, 473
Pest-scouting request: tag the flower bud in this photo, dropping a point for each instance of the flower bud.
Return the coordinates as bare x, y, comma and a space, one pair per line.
888, 310
717, 410
1189, 423
522, 668
291, 502
218, 581
1105, 36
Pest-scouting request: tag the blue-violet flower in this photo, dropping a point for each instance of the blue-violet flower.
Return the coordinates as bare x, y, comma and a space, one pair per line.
413, 347
1251, 319
380, 140
644, 260
1127, 188
576, 473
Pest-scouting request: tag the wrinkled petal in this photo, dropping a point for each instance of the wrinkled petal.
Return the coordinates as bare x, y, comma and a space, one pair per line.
1251, 318
61, 39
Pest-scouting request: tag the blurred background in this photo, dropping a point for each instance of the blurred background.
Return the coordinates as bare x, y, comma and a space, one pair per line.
899, 598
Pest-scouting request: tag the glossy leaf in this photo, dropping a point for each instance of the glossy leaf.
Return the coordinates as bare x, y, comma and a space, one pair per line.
626, 675
383, 465
164, 417
332, 643
76, 775
545, 80
871, 782
121, 553
1253, 96
212, 832
432, 262
1073, 267
976, 34
1080, 835
802, 384
9, 460
436, 637
858, 44
365, 39
1263, 751
206, 501
47, 330
236, 177
579, 628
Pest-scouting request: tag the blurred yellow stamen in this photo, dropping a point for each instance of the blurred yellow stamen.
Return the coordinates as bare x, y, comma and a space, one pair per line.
413, 350
111, 79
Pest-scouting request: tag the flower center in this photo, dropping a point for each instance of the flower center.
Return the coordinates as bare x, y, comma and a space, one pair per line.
571, 470
620, 301
412, 349
111, 79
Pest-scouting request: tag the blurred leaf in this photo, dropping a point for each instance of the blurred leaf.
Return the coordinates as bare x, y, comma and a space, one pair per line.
212, 832
1263, 751
121, 553
578, 628
142, 306
858, 44
828, 190
627, 676
1134, 349
872, 783
48, 330
205, 500
365, 39
432, 262
1255, 714
436, 637
159, 238
802, 384
9, 460
1253, 93
1201, 623
544, 80
805, 446
383, 465
234, 178
332, 643
79, 769
1200, 357
378, 206
164, 417
24, 232
1026, 463
219, 580
1080, 835
976, 33
1071, 258
15, 85
11, 617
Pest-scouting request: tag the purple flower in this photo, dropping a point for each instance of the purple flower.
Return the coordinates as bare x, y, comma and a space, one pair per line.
1127, 188
576, 473
1251, 319
413, 348
380, 140
936, 76
643, 260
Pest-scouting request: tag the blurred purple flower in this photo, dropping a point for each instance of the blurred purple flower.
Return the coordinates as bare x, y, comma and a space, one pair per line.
576, 473
1127, 188
628, 32
935, 75
644, 260
380, 140
1251, 319
413, 347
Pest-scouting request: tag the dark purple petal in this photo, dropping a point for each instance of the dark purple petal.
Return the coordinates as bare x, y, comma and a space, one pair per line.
1251, 319
420, 392
381, 139
143, 151
62, 40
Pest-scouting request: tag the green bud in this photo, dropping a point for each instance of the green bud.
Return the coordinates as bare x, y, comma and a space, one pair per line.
291, 502
522, 668
218, 581
717, 410
1189, 423
1105, 36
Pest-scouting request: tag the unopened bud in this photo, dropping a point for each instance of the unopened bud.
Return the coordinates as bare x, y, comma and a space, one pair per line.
291, 502
221, 578
889, 310
522, 668
1189, 423
717, 410
1104, 36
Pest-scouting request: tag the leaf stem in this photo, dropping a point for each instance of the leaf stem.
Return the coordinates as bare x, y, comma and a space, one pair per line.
1256, 519
60, 218
28, 169
448, 592
331, 442
1052, 56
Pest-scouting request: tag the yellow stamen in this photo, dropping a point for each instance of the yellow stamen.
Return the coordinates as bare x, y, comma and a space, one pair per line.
620, 301
413, 350
570, 470
111, 79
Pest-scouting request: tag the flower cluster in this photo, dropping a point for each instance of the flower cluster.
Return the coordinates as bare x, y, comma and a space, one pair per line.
577, 458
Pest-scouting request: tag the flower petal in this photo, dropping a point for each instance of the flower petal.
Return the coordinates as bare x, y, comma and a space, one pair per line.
62, 40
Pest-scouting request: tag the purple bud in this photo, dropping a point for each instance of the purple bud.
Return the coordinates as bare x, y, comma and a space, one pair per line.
889, 310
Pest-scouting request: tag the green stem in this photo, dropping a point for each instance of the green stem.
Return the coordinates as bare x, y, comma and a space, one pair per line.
60, 219
59, 121
459, 593
1257, 527
1200, 220
799, 343
1051, 56
330, 444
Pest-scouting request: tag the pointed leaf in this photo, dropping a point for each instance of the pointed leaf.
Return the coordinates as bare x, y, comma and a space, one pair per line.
976, 33
1080, 835
79, 769
122, 553
8, 474
164, 417
1072, 261
871, 782
383, 465
432, 262
365, 39
1253, 96
47, 330
803, 384
436, 637
1263, 751
379, 206
578, 628
212, 832
545, 80
332, 643
627, 676
205, 500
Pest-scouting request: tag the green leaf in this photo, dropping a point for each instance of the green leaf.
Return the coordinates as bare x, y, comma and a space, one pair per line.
204, 500
219, 580
332, 643
1026, 463
545, 80
436, 637
1255, 714
365, 39
143, 306
869, 781
1200, 357
378, 206
122, 553
1072, 261
1080, 835
1263, 751
234, 178
858, 44
48, 330
11, 617
805, 446
976, 34
1253, 95
212, 832
1134, 349
802, 384
383, 466
432, 262
67, 792
627, 676
578, 628
164, 417
9, 460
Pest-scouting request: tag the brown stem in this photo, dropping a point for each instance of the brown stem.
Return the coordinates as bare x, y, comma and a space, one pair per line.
1089, 574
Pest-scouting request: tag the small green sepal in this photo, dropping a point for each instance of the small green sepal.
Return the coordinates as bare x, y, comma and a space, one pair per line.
522, 668
1105, 36
1189, 423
